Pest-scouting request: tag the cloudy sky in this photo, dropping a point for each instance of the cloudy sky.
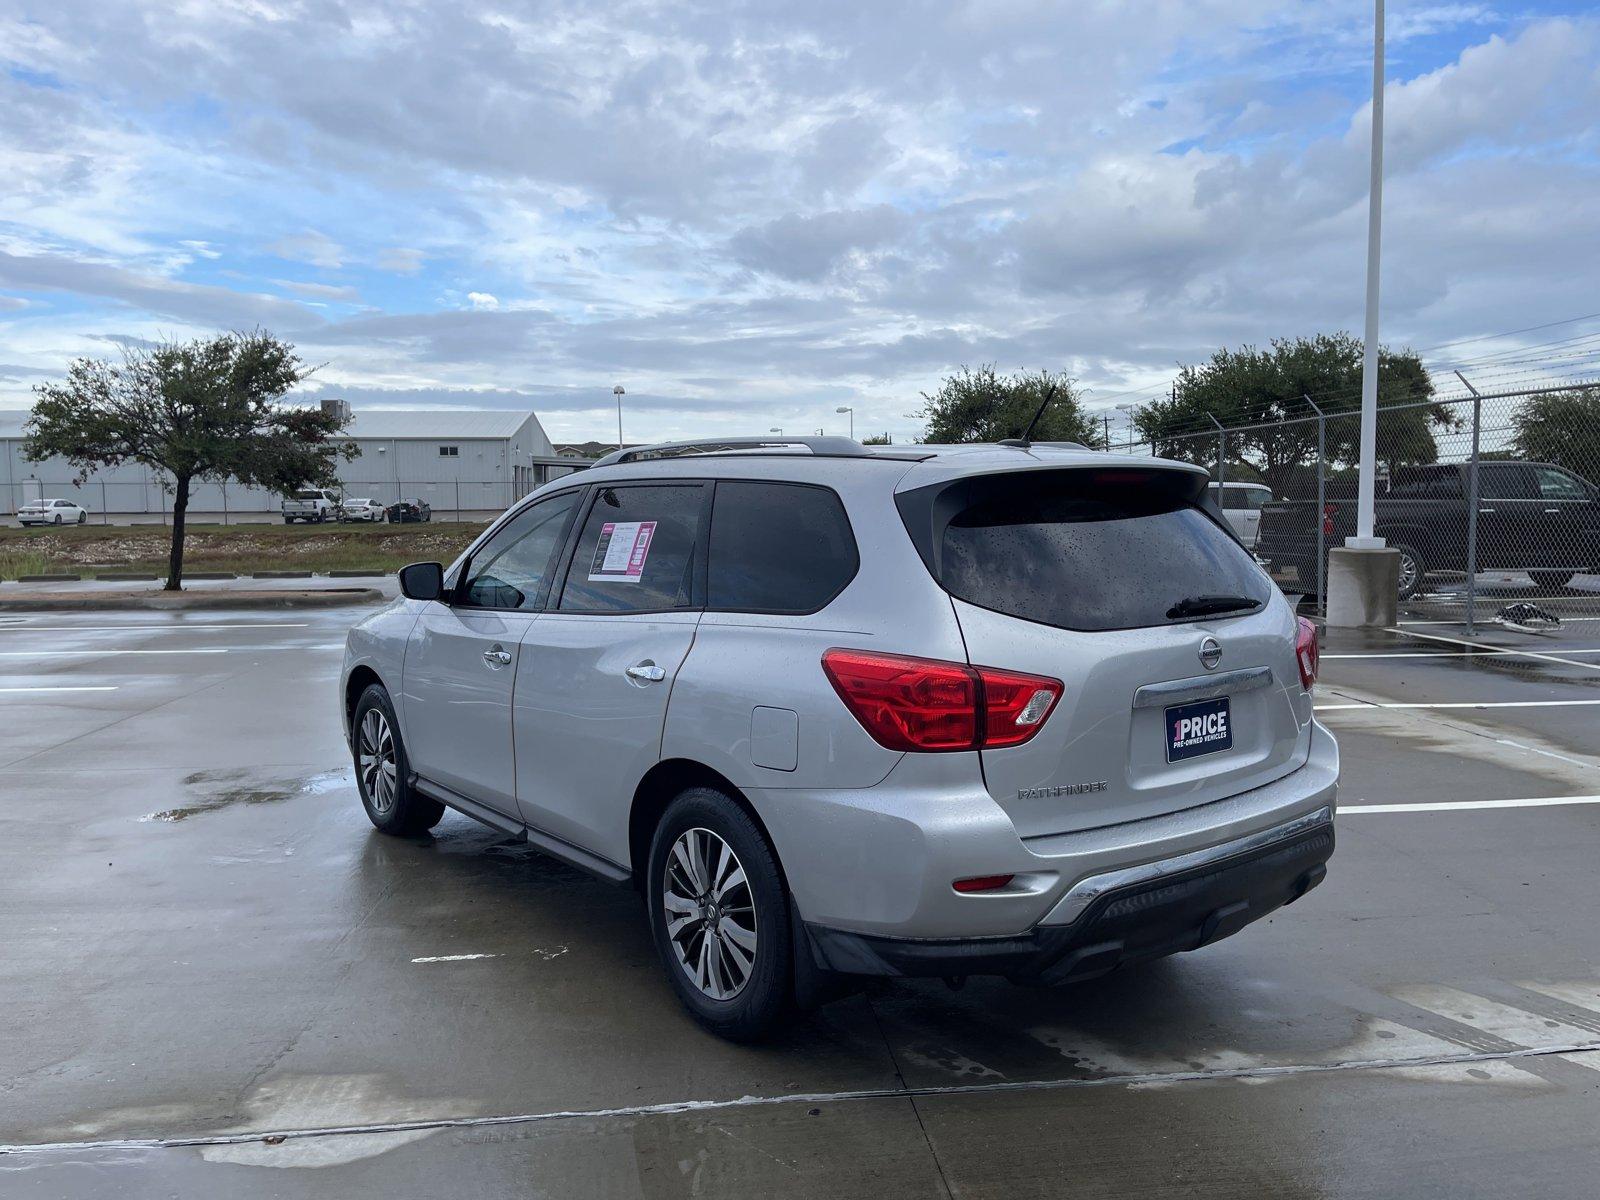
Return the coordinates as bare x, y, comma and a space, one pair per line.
752, 213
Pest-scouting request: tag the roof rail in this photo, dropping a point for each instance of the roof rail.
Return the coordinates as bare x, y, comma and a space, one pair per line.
829, 447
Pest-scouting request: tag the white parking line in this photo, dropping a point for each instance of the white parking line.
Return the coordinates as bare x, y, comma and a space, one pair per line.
100, 688
1456, 704
20, 627
1490, 1016
454, 958
1446, 653
53, 653
1564, 620
1464, 805
1435, 637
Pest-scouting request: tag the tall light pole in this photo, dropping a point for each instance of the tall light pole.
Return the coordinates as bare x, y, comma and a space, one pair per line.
852, 412
619, 392
1367, 476
776, 430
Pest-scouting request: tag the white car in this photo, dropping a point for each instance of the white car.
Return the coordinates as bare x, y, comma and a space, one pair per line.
361, 510
1241, 508
51, 512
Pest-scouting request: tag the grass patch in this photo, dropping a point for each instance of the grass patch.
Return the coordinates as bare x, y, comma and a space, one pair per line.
89, 549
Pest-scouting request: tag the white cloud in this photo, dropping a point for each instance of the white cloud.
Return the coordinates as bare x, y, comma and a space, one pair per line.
482, 301
400, 259
320, 291
312, 247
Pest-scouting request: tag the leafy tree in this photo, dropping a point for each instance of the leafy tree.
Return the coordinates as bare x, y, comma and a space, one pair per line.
1266, 390
201, 410
878, 439
1561, 428
983, 406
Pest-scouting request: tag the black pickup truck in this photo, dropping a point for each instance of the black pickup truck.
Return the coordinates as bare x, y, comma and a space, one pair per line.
1532, 517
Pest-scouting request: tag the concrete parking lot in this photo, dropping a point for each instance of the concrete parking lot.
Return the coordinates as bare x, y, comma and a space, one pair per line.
218, 980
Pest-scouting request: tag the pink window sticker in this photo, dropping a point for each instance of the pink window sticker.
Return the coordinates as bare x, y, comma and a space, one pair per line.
622, 551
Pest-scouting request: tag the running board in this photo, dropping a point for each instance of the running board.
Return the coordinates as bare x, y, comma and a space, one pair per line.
547, 843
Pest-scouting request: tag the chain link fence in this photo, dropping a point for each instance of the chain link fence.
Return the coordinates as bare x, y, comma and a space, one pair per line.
115, 502
1491, 498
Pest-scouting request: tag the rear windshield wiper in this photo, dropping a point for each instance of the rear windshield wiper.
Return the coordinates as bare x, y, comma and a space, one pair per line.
1201, 606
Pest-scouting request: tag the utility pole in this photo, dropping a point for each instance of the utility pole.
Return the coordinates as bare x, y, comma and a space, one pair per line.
1367, 477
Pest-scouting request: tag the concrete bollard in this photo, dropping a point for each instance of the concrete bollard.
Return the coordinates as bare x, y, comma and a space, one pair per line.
1363, 588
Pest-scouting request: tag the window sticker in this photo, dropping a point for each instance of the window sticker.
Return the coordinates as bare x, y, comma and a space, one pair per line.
620, 554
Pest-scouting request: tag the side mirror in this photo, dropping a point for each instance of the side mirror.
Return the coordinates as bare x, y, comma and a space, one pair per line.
422, 581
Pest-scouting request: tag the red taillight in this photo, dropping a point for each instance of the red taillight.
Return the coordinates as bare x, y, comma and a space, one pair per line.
982, 883
1305, 651
910, 703
1329, 512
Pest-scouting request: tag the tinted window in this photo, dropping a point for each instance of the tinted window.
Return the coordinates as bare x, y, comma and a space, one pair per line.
1507, 481
637, 551
509, 568
1066, 548
1558, 485
778, 547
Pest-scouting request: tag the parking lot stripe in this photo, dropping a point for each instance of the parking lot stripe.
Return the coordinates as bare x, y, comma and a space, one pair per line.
1464, 805
1456, 704
1586, 1046
1436, 637
1446, 653
1564, 620
1488, 1016
454, 958
54, 653
20, 625
99, 688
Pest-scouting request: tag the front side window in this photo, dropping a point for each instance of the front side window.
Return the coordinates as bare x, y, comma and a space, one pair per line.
1507, 481
637, 551
777, 548
509, 570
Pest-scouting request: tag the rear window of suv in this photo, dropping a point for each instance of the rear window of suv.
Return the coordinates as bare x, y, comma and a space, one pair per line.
1082, 549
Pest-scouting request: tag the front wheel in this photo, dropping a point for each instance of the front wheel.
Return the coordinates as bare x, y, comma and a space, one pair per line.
719, 913
82, 517
1552, 581
382, 770
1413, 569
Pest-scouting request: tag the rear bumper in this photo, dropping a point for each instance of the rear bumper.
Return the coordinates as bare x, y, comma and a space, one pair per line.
1117, 918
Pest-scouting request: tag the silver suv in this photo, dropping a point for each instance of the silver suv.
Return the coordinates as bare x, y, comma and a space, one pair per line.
1020, 710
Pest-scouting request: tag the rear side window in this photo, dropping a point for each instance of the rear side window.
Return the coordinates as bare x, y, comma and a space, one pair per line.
778, 548
637, 551
1084, 550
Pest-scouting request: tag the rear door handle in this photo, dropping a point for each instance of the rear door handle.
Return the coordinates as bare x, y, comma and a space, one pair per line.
646, 672
497, 656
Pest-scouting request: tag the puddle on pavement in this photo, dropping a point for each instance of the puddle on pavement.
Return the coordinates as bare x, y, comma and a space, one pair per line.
223, 789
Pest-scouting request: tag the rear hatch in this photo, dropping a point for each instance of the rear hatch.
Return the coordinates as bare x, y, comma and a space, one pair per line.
1081, 573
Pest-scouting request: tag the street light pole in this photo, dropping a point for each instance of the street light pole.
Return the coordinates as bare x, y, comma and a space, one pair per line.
1367, 474
852, 412
619, 392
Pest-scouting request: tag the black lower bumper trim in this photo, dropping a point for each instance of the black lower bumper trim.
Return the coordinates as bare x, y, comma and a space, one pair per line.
1134, 924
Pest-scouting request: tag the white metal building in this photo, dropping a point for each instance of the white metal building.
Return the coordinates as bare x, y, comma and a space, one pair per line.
455, 459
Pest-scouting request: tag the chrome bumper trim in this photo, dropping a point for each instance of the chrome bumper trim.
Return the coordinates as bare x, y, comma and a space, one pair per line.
1086, 891
1202, 687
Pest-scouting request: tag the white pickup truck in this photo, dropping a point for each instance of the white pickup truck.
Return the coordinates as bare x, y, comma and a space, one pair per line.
310, 504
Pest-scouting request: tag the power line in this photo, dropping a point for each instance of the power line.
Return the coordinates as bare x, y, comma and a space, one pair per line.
1487, 337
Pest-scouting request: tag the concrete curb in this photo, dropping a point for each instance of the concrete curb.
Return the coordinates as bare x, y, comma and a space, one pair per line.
48, 578
151, 599
280, 575
358, 574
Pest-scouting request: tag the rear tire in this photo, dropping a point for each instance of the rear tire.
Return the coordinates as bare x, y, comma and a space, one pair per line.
736, 903
58, 518
1552, 581
383, 771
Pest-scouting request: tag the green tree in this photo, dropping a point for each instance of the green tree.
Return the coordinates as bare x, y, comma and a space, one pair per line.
983, 406
200, 410
1266, 390
878, 439
1561, 428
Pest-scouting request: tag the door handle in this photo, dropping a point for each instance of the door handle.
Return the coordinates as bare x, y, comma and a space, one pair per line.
497, 656
1484, 510
646, 672
1552, 510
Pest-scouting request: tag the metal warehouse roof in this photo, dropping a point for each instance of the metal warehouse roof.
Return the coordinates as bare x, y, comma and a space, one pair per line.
435, 423
383, 423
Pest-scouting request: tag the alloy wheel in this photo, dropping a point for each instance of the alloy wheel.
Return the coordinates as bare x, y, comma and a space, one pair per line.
376, 761
710, 914
1408, 574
